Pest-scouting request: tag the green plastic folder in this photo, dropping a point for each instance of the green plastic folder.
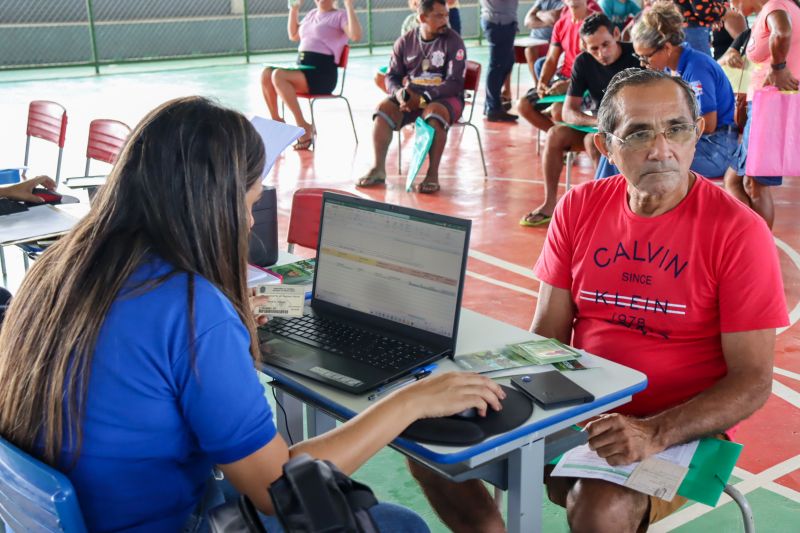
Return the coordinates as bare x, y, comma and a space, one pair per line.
552, 99
709, 471
291, 67
585, 129
423, 139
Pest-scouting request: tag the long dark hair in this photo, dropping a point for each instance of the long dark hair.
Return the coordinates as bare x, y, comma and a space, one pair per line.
177, 192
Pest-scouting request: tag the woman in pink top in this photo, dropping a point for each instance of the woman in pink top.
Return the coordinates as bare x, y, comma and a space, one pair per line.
323, 34
774, 50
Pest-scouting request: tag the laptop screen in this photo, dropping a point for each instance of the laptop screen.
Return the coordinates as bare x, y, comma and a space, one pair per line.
394, 263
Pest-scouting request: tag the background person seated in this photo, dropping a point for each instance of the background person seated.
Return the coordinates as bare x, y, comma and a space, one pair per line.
540, 19
554, 78
619, 11
149, 379
703, 324
425, 78
592, 71
658, 41
323, 34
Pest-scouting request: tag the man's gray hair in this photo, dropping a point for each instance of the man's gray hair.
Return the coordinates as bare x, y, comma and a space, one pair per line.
608, 115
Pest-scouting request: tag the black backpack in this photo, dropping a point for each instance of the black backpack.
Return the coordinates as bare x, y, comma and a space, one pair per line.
312, 496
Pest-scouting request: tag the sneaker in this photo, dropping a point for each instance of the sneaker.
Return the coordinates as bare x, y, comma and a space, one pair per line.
501, 116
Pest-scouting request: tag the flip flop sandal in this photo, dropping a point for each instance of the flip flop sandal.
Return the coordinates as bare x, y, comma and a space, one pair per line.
428, 187
535, 219
370, 181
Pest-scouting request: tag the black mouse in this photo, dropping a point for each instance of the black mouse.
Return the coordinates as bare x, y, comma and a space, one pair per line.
470, 412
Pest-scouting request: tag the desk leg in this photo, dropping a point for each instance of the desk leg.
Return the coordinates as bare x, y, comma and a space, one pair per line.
290, 425
318, 422
525, 467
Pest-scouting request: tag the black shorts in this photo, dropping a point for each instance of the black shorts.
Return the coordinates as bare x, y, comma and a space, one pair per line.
322, 78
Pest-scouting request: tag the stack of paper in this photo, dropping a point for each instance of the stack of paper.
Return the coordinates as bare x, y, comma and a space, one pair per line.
543, 352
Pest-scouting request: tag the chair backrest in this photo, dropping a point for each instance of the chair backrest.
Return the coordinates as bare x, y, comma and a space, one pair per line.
344, 57
106, 139
305, 217
48, 121
34, 496
472, 79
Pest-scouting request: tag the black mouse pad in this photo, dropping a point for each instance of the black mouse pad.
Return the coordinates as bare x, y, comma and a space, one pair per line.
517, 408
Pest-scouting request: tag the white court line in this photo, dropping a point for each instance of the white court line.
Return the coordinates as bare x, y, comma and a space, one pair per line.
764, 479
501, 263
785, 393
786, 492
504, 284
794, 315
786, 373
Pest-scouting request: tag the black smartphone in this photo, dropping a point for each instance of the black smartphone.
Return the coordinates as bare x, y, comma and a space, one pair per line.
551, 389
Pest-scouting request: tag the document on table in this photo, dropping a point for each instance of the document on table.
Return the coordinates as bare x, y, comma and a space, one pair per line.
659, 475
35, 223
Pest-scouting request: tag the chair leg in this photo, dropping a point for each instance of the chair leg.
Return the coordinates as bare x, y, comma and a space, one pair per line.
744, 507
313, 124
480, 147
58, 165
399, 153
352, 122
3, 262
570, 160
25, 261
538, 141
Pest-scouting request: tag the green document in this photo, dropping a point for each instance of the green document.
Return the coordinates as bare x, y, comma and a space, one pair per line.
291, 67
423, 138
552, 99
584, 129
709, 471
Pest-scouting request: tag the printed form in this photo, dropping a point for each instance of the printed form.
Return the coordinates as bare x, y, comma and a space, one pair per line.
659, 475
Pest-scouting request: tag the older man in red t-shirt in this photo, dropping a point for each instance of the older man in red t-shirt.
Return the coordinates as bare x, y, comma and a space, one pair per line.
660, 270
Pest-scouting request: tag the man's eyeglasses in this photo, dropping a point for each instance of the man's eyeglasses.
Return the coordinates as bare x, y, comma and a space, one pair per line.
644, 139
644, 59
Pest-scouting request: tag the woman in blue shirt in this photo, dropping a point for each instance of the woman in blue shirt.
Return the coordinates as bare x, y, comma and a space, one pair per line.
127, 357
658, 40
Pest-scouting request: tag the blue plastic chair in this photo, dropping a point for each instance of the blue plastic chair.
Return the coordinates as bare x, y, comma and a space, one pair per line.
34, 496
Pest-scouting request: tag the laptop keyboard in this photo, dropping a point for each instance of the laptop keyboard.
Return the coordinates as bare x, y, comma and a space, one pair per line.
340, 338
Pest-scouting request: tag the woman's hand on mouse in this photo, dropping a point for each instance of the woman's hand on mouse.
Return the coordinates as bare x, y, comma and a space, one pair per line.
449, 393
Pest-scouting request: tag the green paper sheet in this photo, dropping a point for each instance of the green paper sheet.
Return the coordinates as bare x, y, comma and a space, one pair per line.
552, 99
585, 129
709, 471
423, 138
291, 67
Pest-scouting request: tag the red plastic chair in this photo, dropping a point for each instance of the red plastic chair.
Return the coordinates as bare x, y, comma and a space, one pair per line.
106, 139
314, 97
305, 217
47, 121
472, 78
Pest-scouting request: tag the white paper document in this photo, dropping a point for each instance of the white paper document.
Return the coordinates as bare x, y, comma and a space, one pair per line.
276, 136
659, 475
37, 222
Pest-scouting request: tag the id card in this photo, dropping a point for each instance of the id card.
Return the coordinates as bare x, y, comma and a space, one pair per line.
284, 300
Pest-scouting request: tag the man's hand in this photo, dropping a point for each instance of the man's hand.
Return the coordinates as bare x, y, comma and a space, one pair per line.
782, 79
732, 58
621, 440
411, 103
541, 89
559, 87
22, 191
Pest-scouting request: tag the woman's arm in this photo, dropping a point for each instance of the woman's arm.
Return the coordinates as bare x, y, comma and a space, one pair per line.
353, 29
293, 24
353, 443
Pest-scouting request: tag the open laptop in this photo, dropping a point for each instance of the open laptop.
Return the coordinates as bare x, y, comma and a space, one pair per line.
386, 297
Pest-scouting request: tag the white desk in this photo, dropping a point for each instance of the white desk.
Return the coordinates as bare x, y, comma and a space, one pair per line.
513, 461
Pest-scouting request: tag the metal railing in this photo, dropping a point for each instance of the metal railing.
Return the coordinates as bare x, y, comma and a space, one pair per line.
44, 33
